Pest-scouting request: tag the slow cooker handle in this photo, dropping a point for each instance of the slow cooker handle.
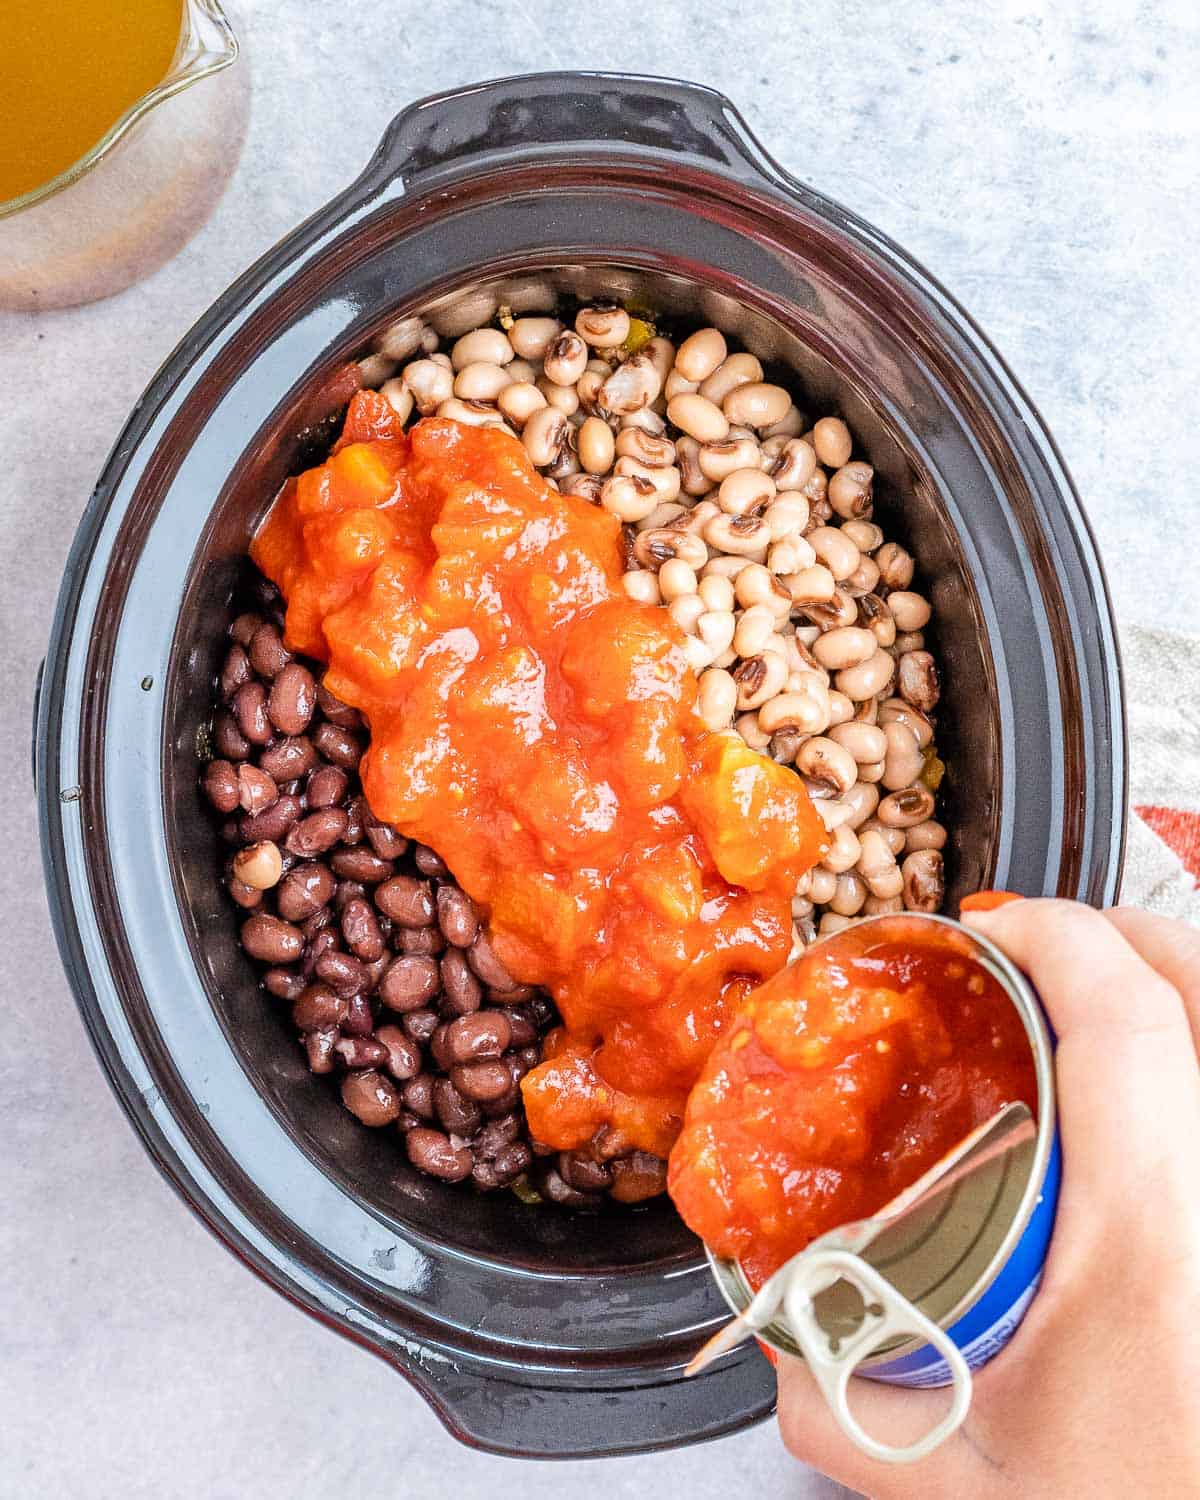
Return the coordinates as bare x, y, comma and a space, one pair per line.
597, 114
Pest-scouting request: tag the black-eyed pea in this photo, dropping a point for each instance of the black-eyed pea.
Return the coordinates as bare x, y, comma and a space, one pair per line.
927, 835
481, 345
642, 586
583, 487
716, 698
803, 886
645, 419
880, 906
801, 711
653, 548
722, 566
867, 712
862, 799
865, 535
718, 460
520, 370
480, 381
815, 585
660, 351
545, 435
754, 585
902, 759
715, 628
867, 679
675, 385
398, 396
905, 808
700, 354
917, 679
760, 678
698, 417
876, 861
844, 850
402, 338
746, 725
787, 557
692, 479
863, 580
835, 550
699, 654
677, 578
747, 535
801, 907
745, 491
897, 708
851, 490
518, 402
875, 616
831, 439
602, 326
909, 640
822, 885
910, 611
686, 610
924, 878
787, 516
697, 518
895, 566
652, 450
754, 628
531, 337
595, 445
794, 466
564, 398
845, 646
838, 613
630, 500
790, 425
871, 771
841, 709
473, 414
865, 742
850, 895
717, 592
631, 386
665, 480
565, 360
756, 404
831, 810
587, 387
430, 383
825, 763
735, 370
892, 837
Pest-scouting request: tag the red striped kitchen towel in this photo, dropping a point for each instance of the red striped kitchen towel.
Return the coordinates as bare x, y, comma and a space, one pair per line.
1162, 688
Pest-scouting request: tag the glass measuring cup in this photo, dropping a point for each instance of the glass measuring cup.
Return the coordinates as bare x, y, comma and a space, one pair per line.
139, 194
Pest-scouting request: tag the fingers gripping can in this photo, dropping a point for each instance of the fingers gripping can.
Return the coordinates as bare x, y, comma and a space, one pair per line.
971, 1260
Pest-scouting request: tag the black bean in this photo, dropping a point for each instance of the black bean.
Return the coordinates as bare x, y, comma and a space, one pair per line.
338, 745
521, 1029
484, 1034
362, 864
457, 916
244, 627
319, 1045
361, 930
409, 982
284, 984
637, 1177
371, 1096
256, 790
517, 995
249, 706
486, 1081
529, 1057
406, 1121
341, 970
420, 1025
583, 1173
356, 813
439, 1050
459, 1115
336, 711
428, 862
317, 947
292, 700
288, 760
246, 896
317, 923
497, 1134
553, 1186
502, 1104
418, 940
266, 593
417, 1094
274, 823
511, 1161
304, 890
360, 1021
326, 787
385, 841
317, 832
376, 969
406, 900
541, 1010
347, 891
361, 1051
404, 1057
270, 940
318, 1008
484, 1176
461, 991
268, 654
482, 958
430, 1151
235, 671
228, 740
220, 784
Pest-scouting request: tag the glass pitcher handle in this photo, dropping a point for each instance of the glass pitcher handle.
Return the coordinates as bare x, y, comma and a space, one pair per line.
832, 1364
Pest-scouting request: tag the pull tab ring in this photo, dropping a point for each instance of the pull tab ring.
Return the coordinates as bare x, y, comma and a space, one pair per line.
832, 1370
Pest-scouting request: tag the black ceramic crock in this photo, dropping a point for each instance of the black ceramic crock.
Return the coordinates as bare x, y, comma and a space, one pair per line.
530, 1330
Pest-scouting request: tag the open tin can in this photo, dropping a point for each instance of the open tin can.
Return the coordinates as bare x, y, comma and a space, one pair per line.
971, 1260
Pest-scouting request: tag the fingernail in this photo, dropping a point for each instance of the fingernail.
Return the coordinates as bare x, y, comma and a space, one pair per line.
983, 902
769, 1352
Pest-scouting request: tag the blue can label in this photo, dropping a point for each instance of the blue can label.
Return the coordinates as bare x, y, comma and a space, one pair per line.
984, 1330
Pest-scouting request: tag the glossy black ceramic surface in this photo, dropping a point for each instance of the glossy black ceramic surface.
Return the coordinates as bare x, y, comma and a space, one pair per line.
530, 1330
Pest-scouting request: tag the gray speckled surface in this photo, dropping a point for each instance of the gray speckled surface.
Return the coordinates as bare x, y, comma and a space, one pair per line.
1043, 165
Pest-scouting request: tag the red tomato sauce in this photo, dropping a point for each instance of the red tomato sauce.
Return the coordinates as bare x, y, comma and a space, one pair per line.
537, 728
843, 1079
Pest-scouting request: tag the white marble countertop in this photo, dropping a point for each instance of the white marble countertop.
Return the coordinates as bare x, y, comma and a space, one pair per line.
1040, 160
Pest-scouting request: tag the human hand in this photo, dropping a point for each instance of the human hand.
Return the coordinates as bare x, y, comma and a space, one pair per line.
1098, 1394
